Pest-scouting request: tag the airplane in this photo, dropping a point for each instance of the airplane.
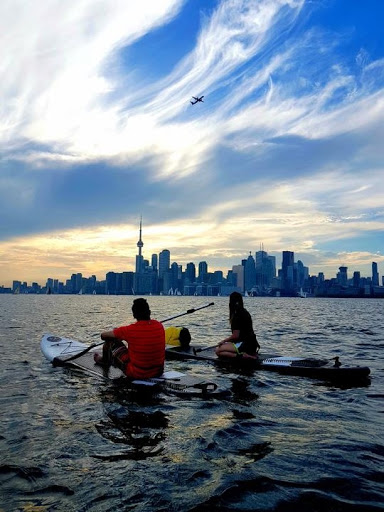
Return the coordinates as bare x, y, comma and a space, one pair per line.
197, 99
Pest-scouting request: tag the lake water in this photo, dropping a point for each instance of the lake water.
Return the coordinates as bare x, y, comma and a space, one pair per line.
280, 443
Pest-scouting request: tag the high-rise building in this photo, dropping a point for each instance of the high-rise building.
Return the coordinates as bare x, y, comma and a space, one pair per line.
342, 276
238, 272
249, 273
111, 283
154, 264
164, 262
190, 273
287, 270
356, 279
203, 271
265, 269
375, 274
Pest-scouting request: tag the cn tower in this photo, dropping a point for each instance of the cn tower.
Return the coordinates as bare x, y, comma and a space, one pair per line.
139, 257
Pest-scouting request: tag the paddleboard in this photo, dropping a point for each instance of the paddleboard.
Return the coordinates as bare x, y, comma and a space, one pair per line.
324, 369
79, 356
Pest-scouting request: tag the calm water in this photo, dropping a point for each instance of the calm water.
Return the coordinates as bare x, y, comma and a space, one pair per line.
281, 443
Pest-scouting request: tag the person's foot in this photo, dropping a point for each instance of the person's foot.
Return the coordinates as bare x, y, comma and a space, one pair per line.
98, 358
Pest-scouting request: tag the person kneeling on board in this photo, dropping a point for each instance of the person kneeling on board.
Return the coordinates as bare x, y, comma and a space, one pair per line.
144, 357
178, 337
243, 341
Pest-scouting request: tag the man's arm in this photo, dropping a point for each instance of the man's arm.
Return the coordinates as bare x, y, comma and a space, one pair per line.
107, 335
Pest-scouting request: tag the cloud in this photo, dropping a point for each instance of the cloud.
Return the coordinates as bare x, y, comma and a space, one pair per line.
286, 150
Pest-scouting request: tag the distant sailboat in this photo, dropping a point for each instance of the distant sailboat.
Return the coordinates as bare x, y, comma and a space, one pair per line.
302, 294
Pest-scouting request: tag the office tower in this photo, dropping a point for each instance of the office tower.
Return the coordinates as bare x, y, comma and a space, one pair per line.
342, 276
375, 274
79, 282
154, 260
16, 285
356, 279
190, 273
111, 283
164, 262
265, 269
238, 272
203, 271
217, 277
249, 273
287, 270
301, 274
175, 277
260, 256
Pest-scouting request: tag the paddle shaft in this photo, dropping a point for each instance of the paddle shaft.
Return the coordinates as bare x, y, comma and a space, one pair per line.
188, 312
197, 350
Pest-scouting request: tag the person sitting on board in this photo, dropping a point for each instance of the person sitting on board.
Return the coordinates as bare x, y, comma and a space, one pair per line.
178, 337
144, 357
243, 341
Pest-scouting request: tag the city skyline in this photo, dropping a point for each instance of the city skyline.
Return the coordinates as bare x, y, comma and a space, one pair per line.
162, 262
97, 128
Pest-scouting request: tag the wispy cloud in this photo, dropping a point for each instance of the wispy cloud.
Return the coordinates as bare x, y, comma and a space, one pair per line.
286, 150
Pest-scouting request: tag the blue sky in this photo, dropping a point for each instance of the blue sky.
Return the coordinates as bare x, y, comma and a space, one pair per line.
96, 129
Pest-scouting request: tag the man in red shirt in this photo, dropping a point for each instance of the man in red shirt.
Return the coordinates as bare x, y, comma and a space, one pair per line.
145, 354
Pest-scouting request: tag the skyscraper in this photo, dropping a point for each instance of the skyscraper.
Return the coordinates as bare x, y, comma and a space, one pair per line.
203, 271
190, 273
154, 262
375, 274
164, 262
287, 270
249, 273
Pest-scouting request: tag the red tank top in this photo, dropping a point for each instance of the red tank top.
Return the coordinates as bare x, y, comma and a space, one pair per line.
146, 348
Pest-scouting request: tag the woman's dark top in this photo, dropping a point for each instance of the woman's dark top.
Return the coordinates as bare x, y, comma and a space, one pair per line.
242, 322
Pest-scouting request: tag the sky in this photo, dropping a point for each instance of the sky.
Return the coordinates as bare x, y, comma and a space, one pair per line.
96, 130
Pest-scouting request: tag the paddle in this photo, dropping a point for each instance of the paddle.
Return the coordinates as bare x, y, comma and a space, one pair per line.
187, 312
93, 345
197, 350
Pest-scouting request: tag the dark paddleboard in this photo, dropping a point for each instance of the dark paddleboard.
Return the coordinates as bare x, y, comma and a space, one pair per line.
300, 366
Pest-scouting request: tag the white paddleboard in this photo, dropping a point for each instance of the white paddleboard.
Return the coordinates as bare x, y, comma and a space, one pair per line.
67, 352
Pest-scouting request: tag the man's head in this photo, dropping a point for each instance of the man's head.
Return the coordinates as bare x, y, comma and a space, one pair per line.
140, 309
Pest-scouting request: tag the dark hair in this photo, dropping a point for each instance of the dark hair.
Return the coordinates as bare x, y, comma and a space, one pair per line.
140, 309
184, 338
235, 304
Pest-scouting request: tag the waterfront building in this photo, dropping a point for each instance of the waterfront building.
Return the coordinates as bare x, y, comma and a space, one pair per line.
265, 269
154, 263
238, 272
190, 273
203, 271
287, 270
164, 262
342, 276
249, 273
356, 279
375, 274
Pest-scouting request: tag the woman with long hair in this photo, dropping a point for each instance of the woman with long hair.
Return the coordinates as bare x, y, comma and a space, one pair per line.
242, 342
